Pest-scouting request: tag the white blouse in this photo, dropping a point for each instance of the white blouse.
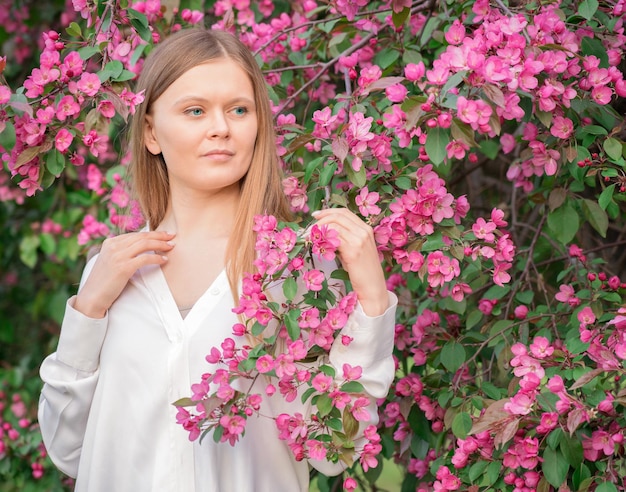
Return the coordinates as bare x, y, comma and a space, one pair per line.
106, 410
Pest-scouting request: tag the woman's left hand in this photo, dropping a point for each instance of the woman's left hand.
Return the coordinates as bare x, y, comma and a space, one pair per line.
359, 257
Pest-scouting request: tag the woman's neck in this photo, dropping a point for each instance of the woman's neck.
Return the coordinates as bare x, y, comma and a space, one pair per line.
206, 216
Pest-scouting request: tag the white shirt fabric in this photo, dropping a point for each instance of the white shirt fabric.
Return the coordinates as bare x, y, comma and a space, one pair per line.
106, 410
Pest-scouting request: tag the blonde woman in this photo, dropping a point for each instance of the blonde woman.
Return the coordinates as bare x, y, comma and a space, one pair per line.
152, 303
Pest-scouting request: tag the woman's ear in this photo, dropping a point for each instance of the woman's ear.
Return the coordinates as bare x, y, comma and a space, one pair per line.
149, 136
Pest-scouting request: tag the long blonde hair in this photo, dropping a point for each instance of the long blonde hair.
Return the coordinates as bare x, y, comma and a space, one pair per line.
261, 188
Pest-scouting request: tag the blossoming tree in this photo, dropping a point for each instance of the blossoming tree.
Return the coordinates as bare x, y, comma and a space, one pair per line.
483, 142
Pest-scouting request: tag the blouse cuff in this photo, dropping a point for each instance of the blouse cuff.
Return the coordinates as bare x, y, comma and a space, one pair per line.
81, 339
371, 337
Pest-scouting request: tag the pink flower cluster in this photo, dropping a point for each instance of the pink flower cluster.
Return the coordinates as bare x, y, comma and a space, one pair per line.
219, 400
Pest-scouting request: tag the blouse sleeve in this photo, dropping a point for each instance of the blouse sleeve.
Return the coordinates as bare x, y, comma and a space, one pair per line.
371, 348
70, 376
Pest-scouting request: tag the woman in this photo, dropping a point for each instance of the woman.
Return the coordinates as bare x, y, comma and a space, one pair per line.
152, 303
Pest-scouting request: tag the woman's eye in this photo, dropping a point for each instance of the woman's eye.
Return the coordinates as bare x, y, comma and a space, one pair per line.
195, 111
240, 110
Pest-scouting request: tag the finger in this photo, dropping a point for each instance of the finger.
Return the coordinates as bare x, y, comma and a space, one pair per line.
135, 245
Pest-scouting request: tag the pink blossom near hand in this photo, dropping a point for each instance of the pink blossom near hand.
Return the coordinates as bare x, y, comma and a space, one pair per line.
567, 295
366, 202
325, 241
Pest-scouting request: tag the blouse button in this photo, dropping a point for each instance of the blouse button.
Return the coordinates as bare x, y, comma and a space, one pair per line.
215, 291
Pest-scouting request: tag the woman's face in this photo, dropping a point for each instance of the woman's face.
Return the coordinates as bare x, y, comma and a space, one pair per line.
205, 125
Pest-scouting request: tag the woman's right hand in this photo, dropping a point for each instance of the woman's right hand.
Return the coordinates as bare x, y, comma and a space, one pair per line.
118, 260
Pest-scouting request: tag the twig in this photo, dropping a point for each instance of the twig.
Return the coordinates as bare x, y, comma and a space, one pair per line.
323, 70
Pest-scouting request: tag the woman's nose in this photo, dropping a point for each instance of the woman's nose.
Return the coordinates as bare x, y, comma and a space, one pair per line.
218, 126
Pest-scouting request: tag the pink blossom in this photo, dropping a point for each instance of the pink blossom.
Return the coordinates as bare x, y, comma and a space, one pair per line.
67, 108
455, 33
313, 280
89, 84
366, 202
63, 140
106, 108
521, 312
484, 230
520, 404
325, 241
541, 347
351, 373
567, 295
265, 363
349, 484
317, 449
414, 71
562, 127
396, 93
322, 382
5, 94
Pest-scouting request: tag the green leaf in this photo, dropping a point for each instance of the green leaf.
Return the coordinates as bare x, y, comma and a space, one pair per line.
327, 173
385, 58
111, 70
400, 18
140, 23
307, 394
436, 143
554, 467
74, 30
291, 323
461, 425
491, 390
87, 52
48, 244
358, 178
588, 8
596, 216
7, 136
593, 46
124, 76
606, 487
564, 223
490, 148
606, 197
28, 250
452, 356
290, 288
350, 424
404, 183
476, 470
324, 404
352, 387
55, 162
613, 148
572, 450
